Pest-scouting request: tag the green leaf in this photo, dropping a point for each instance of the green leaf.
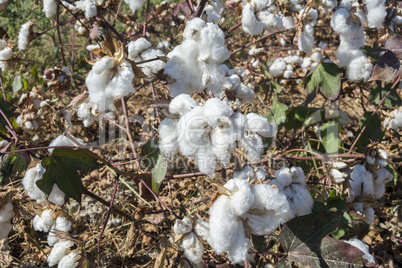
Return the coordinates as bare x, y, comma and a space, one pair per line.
275, 87
158, 172
34, 71
13, 164
150, 153
25, 83
61, 169
277, 115
307, 242
259, 243
372, 132
17, 84
378, 92
327, 78
330, 137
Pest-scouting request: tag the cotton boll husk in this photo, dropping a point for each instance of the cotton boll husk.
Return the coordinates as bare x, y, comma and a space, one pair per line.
168, 143
182, 226
62, 140
5, 228
217, 111
23, 36
288, 22
202, 230
61, 224
376, 15
242, 197
50, 8
31, 176
363, 247
300, 200
249, 21
253, 146
193, 248
182, 104
153, 67
260, 125
135, 4
57, 196
206, 160
361, 181
70, 261
193, 28
44, 222
137, 46
59, 251
244, 174
216, 50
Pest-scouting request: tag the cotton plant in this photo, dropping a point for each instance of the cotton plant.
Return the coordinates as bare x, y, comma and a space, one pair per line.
394, 120
49, 222
191, 238
209, 133
256, 207
351, 32
23, 36
6, 52
140, 50
292, 183
195, 64
6, 214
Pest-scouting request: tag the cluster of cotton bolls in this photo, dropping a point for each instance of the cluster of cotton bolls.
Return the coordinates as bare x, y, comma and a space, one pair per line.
34, 174
86, 6
189, 237
23, 36
50, 222
63, 256
369, 180
6, 53
260, 15
211, 132
193, 65
6, 213
50, 8
256, 207
394, 121
135, 4
285, 66
140, 50
351, 32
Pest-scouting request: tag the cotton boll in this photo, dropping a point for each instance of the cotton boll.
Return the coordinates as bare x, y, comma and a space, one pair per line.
202, 230
57, 196
253, 146
363, 247
50, 8
216, 50
62, 140
238, 251
244, 174
383, 176
272, 22
23, 36
258, 124
242, 197
70, 261
239, 125
329, 4
206, 160
59, 251
376, 14
359, 69
151, 68
361, 181
121, 84
136, 47
283, 178
222, 144
288, 22
167, 136
84, 112
244, 93
306, 42
217, 111
61, 224
135, 4
287, 74
29, 182
278, 67
44, 222
5, 54
370, 159
193, 248
182, 226
298, 175
5, 228
337, 176
193, 29
213, 11
249, 21
369, 215
317, 57
300, 200
182, 104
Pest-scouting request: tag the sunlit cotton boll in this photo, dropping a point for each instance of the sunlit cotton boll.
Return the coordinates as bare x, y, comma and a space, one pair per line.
135, 4
249, 21
59, 250
23, 36
168, 142
61, 224
70, 261
49, 7
5, 54
192, 247
182, 226
361, 182
136, 47
44, 222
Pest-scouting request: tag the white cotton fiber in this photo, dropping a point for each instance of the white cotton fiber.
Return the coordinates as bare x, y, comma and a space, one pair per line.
193, 29
216, 111
249, 21
23, 36
61, 224
258, 124
49, 7
192, 247
168, 143
70, 261
44, 222
136, 47
213, 10
369, 215
182, 226
283, 178
84, 112
5, 228
361, 181
202, 230
5, 54
31, 176
182, 104
363, 247
216, 50
135, 4
272, 22
59, 250
288, 22
253, 146
278, 67
153, 67
62, 140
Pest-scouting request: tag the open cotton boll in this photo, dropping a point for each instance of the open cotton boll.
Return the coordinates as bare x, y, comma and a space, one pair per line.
216, 50
376, 16
272, 22
61, 224
192, 247
193, 28
23, 36
244, 93
44, 222
206, 160
369, 215
202, 230
299, 198
57, 196
363, 247
337, 176
167, 136
258, 124
222, 144
62, 140
59, 250
29, 182
306, 41
182, 226
153, 67
361, 182
136, 47
249, 21
283, 178
121, 84
49, 7
5, 54
242, 198
84, 112
288, 22
382, 177
238, 251
71, 260
238, 125
359, 69
217, 111
182, 104
213, 10
278, 67
135, 4
253, 146
244, 174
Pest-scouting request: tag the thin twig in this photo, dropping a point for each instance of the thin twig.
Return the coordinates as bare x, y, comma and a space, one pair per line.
59, 36
200, 9
144, 32
128, 131
117, 13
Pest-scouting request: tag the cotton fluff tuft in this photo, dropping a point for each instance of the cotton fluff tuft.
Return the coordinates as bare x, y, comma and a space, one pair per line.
375, 12
63, 140
23, 36
5, 54
59, 250
363, 247
50, 8
44, 222
61, 224
394, 121
259, 206
6, 213
135, 4
306, 39
213, 11
70, 260
87, 6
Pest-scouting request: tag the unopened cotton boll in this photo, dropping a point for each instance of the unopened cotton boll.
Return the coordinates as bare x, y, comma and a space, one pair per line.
50, 8
363, 247
23, 36
59, 250
44, 222
71, 260
135, 4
